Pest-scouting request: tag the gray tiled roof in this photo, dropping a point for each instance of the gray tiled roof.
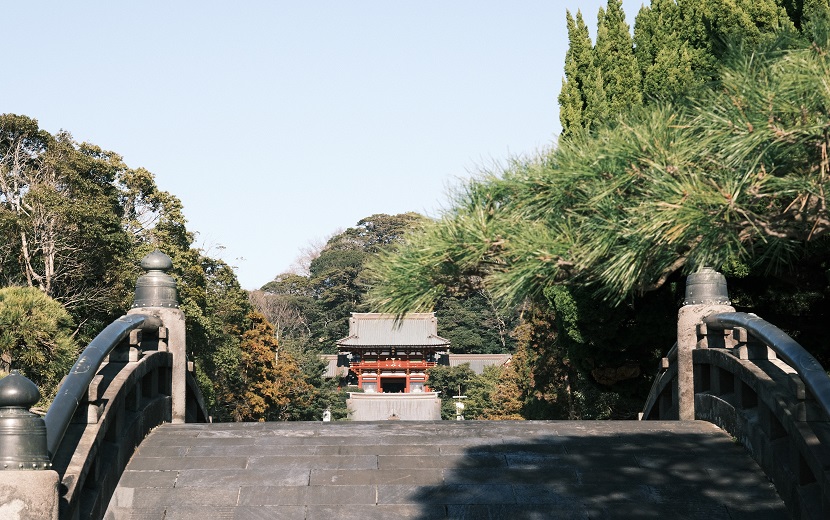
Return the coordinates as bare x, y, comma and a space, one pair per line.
332, 370
479, 361
376, 329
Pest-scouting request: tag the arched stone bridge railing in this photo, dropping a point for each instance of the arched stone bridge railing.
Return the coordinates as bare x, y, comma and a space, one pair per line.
132, 377
129, 395
755, 382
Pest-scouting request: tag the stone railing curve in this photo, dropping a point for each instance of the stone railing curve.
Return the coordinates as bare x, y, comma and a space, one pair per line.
74, 388
758, 384
122, 404
132, 377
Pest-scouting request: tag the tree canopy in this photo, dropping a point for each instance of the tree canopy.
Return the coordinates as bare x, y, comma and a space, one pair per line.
36, 337
676, 49
74, 223
734, 176
594, 234
263, 382
318, 306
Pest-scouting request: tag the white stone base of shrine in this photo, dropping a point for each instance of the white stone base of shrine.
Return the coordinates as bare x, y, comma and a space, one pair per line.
385, 407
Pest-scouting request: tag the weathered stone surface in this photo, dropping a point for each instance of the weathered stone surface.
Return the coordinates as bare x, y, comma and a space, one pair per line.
423, 476
378, 512
28, 495
480, 460
189, 462
342, 462
444, 470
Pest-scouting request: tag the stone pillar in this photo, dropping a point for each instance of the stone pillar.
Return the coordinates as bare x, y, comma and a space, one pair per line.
28, 484
706, 294
155, 293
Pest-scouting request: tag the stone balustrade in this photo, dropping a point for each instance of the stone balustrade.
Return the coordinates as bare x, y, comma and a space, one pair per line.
755, 382
132, 377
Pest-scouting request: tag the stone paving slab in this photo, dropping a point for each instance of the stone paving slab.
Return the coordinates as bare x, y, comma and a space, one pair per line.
165, 497
521, 470
427, 476
342, 462
187, 462
480, 460
235, 478
308, 495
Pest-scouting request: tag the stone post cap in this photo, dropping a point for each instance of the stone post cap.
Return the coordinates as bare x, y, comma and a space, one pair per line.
22, 433
18, 391
706, 287
156, 288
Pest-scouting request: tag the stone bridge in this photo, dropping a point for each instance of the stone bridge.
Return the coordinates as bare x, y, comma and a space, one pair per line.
736, 426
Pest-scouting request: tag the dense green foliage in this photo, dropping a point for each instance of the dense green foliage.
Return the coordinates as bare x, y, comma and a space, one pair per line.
36, 337
474, 324
676, 50
595, 234
60, 219
74, 223
461, 384
313, 311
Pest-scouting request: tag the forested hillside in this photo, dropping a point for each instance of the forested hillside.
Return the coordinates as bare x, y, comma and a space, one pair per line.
311, 309
74, 223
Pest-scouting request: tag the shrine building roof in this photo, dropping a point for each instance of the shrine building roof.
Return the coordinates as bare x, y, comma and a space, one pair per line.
371, 329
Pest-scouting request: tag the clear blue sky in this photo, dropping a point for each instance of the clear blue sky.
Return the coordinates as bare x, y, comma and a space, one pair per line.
277, 123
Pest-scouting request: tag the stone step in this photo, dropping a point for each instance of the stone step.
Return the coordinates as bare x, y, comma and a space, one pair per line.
443, 469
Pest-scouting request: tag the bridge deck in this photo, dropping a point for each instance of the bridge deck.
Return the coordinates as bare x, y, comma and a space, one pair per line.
433, 470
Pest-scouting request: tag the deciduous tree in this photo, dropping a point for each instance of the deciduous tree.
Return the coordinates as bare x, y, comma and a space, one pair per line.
60, 217
267, 384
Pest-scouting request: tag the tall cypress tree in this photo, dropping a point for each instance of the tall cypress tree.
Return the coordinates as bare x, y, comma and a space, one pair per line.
813, 9
616, 67
672, 62
578, 72
676, 48
749, 21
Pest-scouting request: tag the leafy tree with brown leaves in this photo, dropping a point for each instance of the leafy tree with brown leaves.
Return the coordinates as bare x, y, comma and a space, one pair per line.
266, 384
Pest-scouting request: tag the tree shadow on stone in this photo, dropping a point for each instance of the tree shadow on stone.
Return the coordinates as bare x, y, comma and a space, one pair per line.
642, 475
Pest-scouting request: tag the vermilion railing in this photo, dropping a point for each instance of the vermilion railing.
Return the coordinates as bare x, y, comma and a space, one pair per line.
389, 363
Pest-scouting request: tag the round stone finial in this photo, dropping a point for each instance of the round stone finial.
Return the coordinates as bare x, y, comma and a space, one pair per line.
156, 288
706, 287
157, 261
22, 433
18, 391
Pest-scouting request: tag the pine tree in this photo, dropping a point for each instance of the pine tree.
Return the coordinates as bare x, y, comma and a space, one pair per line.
36, 337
